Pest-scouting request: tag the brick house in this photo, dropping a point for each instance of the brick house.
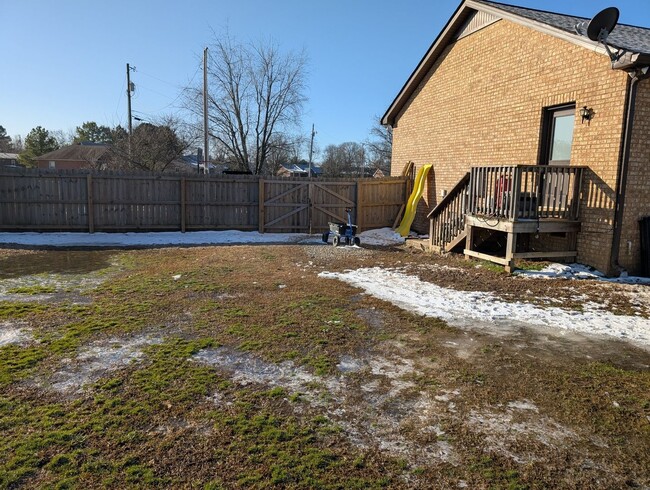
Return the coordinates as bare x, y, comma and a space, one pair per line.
80, 155
300, 169
539, 139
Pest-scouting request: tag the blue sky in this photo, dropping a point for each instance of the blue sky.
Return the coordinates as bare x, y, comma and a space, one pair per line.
64, 62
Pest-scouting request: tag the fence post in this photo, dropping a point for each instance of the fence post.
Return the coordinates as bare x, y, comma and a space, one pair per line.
91, 211
260, 224
183, 204
359, 206
310, 204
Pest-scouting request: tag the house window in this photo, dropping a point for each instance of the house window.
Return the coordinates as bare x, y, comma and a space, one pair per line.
557, 136
52, 164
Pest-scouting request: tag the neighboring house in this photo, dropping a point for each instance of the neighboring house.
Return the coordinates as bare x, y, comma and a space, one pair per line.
80, 155
190, 164
540, 143
298, 170
9, 160
378, 174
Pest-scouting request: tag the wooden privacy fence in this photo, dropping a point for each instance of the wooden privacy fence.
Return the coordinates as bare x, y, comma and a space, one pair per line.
78, 200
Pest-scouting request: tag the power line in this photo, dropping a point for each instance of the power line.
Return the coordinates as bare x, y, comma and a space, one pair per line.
183, 89
159, 79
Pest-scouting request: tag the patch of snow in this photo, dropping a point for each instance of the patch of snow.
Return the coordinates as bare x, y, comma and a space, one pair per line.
377, 419
523, 405
578, 271
95, 361
476, 309
10, 334
381, 237
349, 364
132, 239
447, 395
503, 430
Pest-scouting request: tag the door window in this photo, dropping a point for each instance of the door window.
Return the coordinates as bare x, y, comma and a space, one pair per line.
558, 137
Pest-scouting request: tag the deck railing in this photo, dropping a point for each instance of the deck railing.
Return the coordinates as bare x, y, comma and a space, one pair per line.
448, 217
520, 192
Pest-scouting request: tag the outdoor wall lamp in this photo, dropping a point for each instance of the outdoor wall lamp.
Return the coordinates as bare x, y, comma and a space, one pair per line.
586, 114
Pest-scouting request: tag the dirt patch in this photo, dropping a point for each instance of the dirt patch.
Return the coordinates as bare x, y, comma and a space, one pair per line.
54, 277
18, 263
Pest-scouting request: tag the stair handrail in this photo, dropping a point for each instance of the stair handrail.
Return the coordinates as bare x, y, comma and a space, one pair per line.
457, 189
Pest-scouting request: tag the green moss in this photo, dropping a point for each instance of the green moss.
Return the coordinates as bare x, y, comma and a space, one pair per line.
277, 392
17, 362
250, 345
498, 476
322, 365
235, 313
32, 290
9, 310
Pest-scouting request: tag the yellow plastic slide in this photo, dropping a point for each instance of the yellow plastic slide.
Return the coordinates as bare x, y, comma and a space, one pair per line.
412, 204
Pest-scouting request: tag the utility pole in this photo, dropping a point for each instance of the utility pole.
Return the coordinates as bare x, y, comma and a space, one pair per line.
311, 148
129, 89
205, 111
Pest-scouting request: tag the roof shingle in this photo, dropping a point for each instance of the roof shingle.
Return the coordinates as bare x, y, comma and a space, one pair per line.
90, 153
631, 38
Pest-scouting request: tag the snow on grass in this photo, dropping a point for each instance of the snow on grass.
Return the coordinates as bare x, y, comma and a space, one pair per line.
97, 360
578, 271
152, 239
377, 418
382, 236
468, 309
520, 422
10, 334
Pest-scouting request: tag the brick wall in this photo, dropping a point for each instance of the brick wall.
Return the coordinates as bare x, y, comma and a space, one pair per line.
482, 104
637, 204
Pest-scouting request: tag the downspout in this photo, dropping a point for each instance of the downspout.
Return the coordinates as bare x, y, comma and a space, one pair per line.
623, 166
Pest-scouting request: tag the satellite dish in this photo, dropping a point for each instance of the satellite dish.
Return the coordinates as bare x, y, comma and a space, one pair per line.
602, 24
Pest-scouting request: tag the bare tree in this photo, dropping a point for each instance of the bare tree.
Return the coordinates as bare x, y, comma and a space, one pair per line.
256, 93
380, 145
17, 144
153, 147
284, 149
63, 137
343, 160
5, 141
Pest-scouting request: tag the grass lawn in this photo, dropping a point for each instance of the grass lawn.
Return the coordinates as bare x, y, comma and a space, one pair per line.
239, 367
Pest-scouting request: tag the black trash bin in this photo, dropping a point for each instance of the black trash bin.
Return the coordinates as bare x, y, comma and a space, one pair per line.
644, 225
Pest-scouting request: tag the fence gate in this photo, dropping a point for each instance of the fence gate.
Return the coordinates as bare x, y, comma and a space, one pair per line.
303, 206
329, 200
284, 206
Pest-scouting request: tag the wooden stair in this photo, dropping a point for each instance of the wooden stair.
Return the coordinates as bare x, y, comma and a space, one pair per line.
447, 220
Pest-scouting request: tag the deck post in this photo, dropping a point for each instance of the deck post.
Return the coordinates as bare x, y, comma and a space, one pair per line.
511, 246
469, 240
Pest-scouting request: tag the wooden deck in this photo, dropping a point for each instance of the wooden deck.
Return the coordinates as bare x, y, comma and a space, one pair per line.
512, 199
